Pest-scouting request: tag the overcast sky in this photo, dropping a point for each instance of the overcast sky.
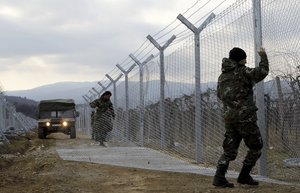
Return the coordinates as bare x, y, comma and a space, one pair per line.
48, 41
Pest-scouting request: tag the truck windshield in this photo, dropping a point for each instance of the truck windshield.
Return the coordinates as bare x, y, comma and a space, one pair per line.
57, 114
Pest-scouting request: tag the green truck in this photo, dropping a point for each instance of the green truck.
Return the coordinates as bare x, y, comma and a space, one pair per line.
57, 115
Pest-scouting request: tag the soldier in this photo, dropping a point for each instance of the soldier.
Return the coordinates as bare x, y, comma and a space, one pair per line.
235, 90
104, 113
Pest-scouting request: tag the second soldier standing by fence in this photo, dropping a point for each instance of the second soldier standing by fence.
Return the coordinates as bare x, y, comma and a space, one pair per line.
103, 117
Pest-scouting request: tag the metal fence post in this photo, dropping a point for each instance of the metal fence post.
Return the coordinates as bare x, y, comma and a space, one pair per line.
114, 87
126, 72
98, 93
162, 85
198, 113
2, 120
142, 103
259, 86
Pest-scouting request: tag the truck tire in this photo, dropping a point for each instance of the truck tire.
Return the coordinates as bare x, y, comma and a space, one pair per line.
73, 133
41, 133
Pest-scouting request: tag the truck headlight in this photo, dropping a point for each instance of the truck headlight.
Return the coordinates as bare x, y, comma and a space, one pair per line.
47, 124
65, 123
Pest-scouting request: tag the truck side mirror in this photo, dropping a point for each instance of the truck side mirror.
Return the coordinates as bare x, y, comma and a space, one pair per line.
77, 114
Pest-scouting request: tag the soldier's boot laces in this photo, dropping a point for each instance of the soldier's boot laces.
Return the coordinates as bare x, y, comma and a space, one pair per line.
220, 180
245, 178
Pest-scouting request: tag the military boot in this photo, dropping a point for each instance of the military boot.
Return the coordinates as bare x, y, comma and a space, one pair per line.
219, 178
101, 143
245, 178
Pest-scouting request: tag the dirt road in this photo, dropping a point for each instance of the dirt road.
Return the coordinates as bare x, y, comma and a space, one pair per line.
34, 166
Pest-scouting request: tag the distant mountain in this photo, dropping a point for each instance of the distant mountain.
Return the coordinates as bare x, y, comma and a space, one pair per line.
73, 90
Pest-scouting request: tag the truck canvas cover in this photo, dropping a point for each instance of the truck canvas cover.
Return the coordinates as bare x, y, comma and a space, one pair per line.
56, 104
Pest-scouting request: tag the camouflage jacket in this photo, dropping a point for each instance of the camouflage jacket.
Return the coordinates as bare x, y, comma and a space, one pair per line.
102, 107
235, 89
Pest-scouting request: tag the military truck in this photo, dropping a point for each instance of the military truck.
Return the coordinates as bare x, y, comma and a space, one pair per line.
57, 115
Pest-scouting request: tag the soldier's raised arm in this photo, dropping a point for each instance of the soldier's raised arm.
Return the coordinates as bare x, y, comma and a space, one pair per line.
257, 74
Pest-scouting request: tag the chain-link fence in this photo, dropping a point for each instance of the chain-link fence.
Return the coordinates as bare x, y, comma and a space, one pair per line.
13, 123
169, 122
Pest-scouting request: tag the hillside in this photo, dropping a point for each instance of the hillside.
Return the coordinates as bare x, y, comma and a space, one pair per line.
73, 90
26, 106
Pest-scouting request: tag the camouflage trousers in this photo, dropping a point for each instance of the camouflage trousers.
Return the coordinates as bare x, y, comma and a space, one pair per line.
235, 133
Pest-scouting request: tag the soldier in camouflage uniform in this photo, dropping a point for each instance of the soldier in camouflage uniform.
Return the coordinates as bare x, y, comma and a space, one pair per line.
104, 114
235, 90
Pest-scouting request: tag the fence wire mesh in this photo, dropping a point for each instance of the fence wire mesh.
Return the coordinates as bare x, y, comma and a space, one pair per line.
13, 123
140, 123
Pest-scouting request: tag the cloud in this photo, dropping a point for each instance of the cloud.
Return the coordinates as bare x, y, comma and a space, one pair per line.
9, 12
74, 39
